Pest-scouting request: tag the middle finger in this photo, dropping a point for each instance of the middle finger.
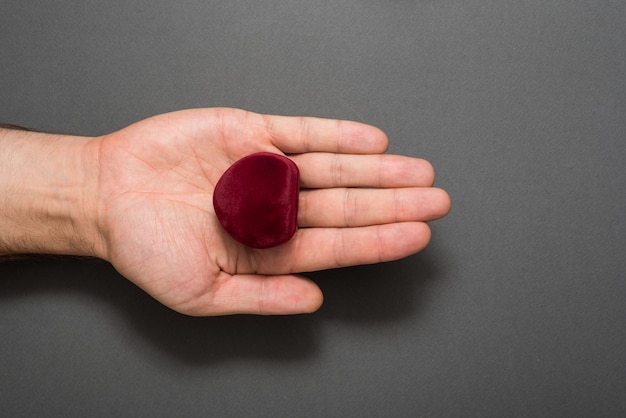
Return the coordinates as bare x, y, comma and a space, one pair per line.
351, 207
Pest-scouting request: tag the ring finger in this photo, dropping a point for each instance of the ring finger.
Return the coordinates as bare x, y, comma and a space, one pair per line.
320, 170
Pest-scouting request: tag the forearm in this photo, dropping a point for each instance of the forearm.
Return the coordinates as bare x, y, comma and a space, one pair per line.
47, 194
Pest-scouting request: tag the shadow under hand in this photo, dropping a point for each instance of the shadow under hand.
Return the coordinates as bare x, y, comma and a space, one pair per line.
186, 339
365, 294
195, 341
378, 292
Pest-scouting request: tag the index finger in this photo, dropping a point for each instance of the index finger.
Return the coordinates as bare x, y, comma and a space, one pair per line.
314, 249
297, 134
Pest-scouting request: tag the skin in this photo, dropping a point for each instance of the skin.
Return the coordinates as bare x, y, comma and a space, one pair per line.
141, 197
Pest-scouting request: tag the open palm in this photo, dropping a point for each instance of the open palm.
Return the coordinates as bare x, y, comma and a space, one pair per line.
357, 206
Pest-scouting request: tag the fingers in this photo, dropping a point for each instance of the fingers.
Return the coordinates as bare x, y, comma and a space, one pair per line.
313, 249
319, 170
341, 207
262, 295
295, 135
324, 248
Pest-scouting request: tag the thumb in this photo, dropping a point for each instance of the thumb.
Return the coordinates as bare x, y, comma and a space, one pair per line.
261, 295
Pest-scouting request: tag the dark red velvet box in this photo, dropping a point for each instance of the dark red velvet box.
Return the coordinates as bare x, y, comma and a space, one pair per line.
256, 200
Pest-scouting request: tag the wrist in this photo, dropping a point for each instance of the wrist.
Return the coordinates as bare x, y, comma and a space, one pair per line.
48, 202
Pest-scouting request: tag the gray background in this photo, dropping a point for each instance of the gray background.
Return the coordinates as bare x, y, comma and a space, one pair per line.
516, 308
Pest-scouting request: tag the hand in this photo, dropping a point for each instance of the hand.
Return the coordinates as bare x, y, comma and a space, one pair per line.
141, 198
156, 183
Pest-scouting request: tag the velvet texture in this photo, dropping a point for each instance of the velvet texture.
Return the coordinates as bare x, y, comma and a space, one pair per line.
256, 200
